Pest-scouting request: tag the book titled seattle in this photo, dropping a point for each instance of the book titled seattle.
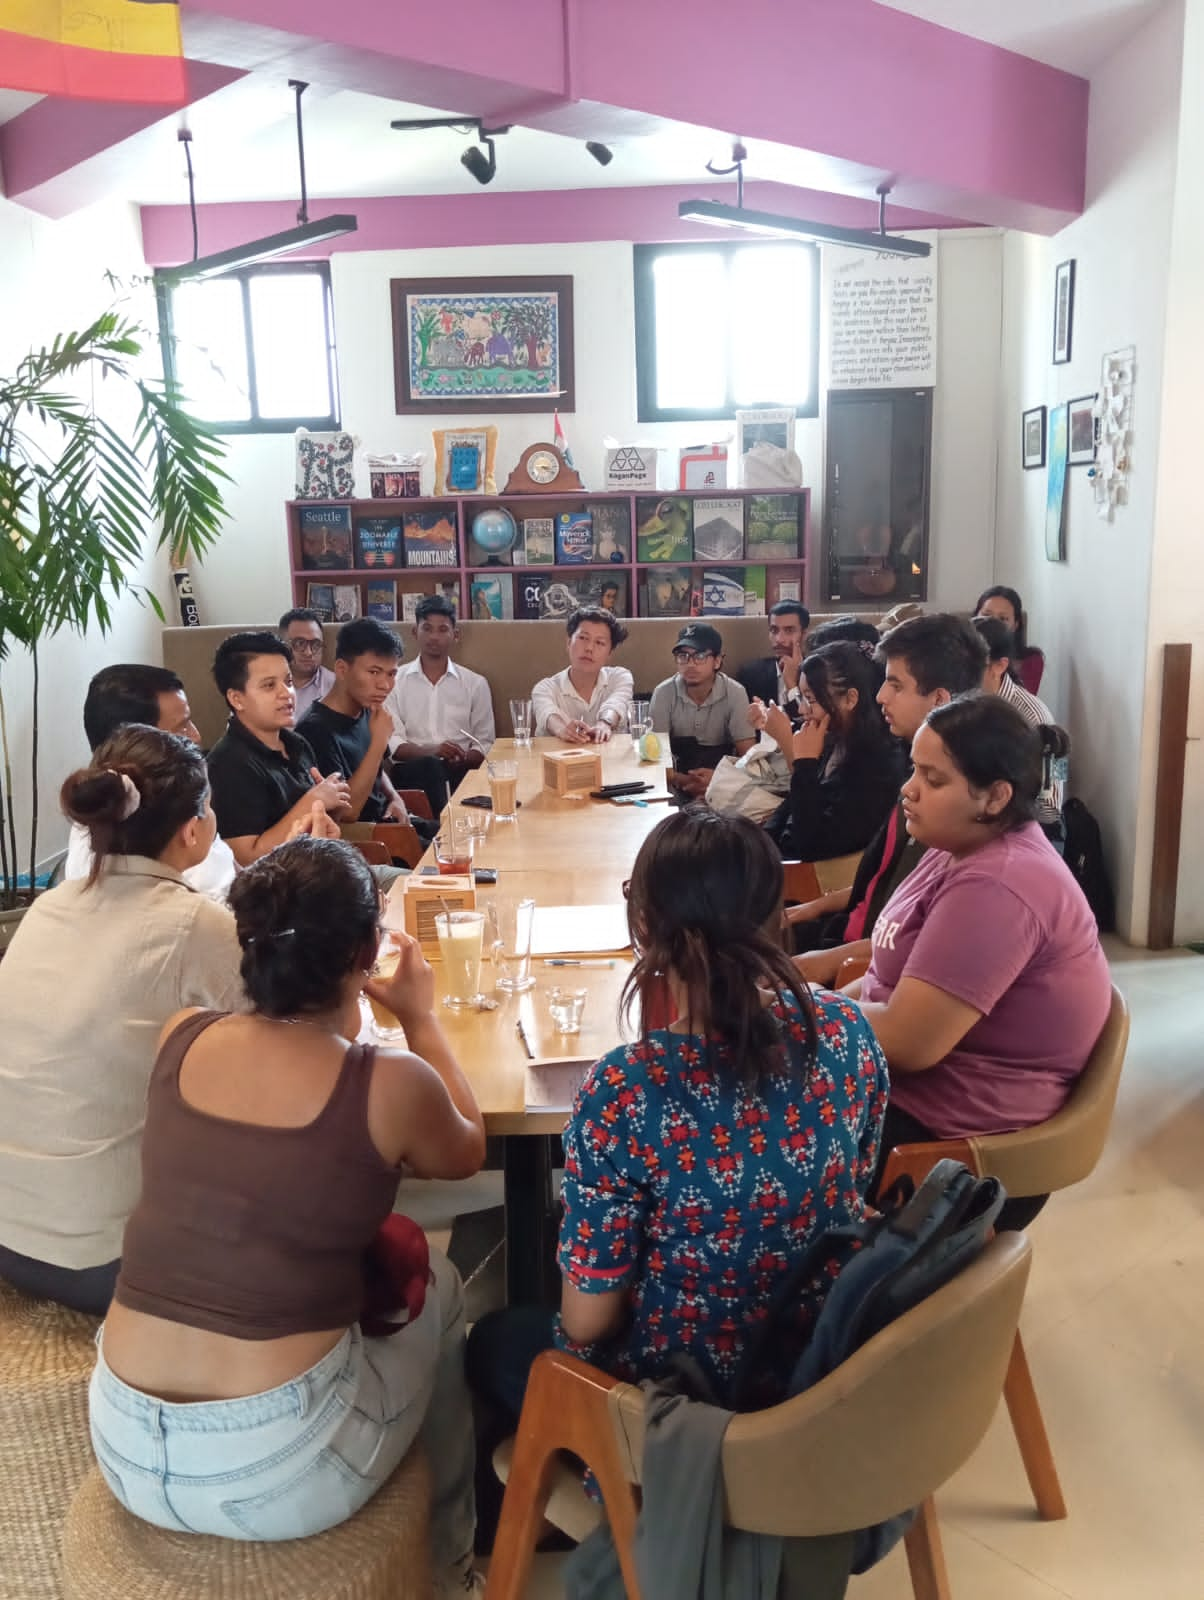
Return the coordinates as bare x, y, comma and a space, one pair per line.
430, 539
325, 538
378, 542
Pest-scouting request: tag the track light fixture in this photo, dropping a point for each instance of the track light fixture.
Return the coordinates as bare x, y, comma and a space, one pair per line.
482, 166
601, 153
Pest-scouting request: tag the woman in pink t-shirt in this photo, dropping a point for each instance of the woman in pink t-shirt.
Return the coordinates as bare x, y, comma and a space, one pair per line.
987, 985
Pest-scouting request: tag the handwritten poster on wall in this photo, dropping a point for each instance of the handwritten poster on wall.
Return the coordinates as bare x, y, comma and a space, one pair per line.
880, 319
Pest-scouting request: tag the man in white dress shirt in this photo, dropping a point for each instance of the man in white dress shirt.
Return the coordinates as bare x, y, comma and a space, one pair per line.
130, 692
586, 702
301, 630
442, 713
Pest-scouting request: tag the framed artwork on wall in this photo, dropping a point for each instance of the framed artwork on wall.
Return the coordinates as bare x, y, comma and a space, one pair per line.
482, 344
1032, 438
1082, 431
1063, 330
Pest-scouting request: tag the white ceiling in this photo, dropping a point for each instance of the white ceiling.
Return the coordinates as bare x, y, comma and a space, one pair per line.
1075, 35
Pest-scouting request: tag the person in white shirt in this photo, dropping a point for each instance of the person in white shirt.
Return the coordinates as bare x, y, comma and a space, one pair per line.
93, 972
442, 713
1000, 678
130, 692
301, 630
586, 702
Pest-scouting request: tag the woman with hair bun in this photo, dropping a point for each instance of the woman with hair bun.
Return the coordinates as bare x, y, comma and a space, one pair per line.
239, 1362
95, 968
987, 985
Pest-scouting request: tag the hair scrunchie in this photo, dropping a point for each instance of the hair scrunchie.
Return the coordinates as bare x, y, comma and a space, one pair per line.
133, 795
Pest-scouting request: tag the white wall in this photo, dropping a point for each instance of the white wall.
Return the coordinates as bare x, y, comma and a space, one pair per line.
246, 578
1090, 613
52, 281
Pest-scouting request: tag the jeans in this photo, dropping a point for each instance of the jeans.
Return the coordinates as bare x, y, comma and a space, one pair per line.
307, 1455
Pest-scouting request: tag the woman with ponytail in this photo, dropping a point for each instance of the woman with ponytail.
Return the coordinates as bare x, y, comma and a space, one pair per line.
94, 970
701, 1160
987, 985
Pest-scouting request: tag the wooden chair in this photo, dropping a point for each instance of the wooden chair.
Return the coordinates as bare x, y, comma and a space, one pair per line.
400, 841
807, 880
416, 803
1037, 1161
373, 852
881, 1433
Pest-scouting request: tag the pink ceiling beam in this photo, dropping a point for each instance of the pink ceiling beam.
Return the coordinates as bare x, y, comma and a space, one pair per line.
62, 154
645, 215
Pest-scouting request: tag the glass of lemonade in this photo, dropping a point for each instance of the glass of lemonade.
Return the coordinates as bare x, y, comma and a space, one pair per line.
385, 1026
461, 936
503, 790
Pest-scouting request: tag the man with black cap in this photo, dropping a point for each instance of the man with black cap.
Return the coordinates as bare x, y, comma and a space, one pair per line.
703, 711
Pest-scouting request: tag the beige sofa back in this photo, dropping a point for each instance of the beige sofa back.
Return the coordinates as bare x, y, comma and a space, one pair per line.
512, 655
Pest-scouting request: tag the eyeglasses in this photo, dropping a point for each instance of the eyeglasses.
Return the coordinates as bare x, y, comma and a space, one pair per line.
684, 657
305, 647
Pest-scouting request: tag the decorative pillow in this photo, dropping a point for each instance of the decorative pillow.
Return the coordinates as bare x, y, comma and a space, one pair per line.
325, 465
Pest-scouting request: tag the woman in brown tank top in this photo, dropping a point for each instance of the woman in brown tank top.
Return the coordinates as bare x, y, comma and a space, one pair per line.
236, 1392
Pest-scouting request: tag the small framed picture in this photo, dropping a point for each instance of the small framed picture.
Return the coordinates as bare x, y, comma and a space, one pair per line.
1081, 452
1063, 312
1032, 438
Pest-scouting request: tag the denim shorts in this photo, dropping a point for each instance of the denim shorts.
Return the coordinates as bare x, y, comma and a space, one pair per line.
290, 1462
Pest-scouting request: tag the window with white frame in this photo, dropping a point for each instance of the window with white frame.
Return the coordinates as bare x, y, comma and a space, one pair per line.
725, 326
253, 349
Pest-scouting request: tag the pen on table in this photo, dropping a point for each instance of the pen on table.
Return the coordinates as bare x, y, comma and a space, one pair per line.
522, 1033
561, 963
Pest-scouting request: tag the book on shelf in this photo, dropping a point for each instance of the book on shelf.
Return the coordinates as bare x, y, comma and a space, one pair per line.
381, 599
669, 592
346, 602
723, 592
784, 589
378, 542
430, 539
542, 597
319, 597
574, 538
537, 546
772, 528
718, 530
755, 591
663, 528
409, 604
325, 534
492, 599
612, 530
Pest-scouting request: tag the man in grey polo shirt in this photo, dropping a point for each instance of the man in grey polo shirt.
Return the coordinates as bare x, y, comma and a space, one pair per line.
704, 712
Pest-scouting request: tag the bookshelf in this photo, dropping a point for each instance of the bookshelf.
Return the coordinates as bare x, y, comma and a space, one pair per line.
345, 544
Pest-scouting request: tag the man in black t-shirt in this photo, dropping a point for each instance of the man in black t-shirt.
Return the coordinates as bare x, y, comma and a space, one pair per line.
264, 779
349, 730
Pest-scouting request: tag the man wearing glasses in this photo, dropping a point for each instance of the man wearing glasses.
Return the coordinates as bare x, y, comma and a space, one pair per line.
703, 711
301, 630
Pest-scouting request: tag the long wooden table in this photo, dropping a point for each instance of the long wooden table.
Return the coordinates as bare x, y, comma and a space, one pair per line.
558, 852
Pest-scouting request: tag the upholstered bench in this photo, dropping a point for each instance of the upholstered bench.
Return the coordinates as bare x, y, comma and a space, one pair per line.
382, 1553
46, 1358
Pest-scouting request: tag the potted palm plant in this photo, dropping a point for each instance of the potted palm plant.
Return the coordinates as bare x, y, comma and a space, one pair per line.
83, 489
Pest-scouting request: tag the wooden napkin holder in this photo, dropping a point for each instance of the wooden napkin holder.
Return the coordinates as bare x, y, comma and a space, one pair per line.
572, 772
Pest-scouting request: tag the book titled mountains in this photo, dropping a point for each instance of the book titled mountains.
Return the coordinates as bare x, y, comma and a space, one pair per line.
430, 539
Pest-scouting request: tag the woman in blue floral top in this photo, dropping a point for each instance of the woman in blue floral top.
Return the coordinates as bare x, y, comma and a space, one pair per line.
701, 1161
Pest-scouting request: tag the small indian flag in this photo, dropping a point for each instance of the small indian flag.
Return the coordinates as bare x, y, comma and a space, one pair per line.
128, 50
558, 438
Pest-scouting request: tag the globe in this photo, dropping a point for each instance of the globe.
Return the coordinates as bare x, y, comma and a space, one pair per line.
495, 531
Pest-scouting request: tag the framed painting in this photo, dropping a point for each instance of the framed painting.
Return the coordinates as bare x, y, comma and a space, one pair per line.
1032, 438
1063, 329
1081, 429
482, 344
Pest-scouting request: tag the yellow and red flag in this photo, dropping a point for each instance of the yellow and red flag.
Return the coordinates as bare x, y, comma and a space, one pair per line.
94, 49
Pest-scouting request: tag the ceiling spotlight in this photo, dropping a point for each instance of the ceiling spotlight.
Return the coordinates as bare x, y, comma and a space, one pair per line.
601, 153
482, 166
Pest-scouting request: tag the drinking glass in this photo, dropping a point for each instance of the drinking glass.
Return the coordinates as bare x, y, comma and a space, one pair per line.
522, 718
567, 1007
453, 848
511, 923
503, 789
639, 718
475, 820
460, 935
385, 1026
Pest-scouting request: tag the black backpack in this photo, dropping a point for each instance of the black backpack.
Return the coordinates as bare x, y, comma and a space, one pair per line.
1084, 855
886, 1265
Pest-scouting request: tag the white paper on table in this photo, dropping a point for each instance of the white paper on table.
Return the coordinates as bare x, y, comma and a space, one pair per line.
553, 1085
579, 930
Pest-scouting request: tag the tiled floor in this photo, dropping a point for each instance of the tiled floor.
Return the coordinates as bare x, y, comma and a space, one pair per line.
1114, 1326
